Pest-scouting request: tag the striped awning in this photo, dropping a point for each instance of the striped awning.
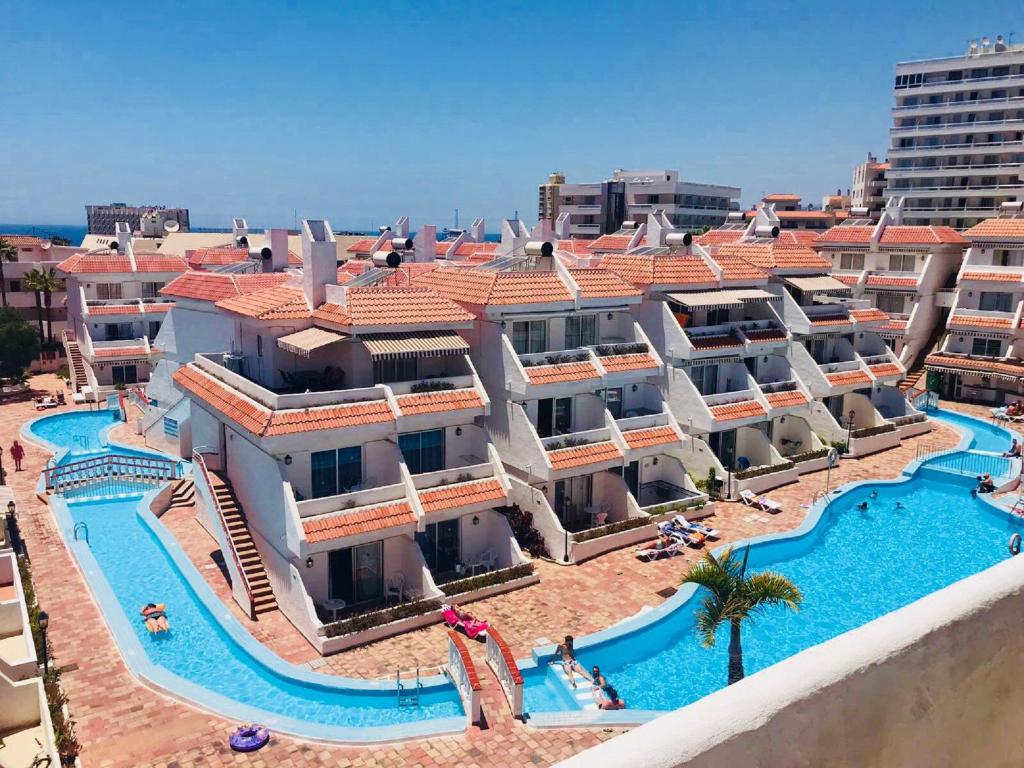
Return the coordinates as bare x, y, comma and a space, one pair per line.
821, 284
389, 346
721, 299
305, 341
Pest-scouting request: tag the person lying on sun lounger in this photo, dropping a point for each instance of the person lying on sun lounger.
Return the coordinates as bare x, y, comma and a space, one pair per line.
677, 533
457, 618
566, 656
662, 542
608, 698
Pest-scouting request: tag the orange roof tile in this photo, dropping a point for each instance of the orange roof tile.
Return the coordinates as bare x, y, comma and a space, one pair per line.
765, 334
894, 325
610, 243
719, 236
978, 321
717, 341
109, 352
997, 229
971, 364
582, 455
891, 281
351, 523
214, 286
280, 303
616, 363
775, 255
362, 246
392, 305
994, 277
785, 399
461, 494
644, 438
438, 402
22, 241
481, 287
602, 284
802, 237
575, 247
562, 372
735, 269
744, 409
847, 377
846, 279
885, 369
159, 262
846, 235
912, 235
114, 309
830, 320
95, 263
870, 315
472, 249
205, 258
661, 269
781, 197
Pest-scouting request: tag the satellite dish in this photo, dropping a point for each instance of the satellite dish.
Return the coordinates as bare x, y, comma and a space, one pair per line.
171, 226
393, 260
45, 245
266, 253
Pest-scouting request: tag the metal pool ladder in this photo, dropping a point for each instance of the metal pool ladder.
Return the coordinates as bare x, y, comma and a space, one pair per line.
411, 698
80, 526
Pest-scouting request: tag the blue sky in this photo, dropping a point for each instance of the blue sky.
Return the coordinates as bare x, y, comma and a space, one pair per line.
363, 111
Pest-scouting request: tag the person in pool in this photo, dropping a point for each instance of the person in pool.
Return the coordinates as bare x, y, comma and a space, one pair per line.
985, 484
608, 698
154, 618
567, 653
597, 678
1014, 451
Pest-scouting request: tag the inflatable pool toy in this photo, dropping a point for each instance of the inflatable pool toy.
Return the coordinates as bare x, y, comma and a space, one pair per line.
249, 738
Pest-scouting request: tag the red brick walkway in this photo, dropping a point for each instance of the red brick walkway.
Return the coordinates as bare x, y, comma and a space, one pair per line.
121, 722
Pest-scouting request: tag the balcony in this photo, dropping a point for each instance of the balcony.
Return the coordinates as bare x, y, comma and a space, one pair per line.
947, 107
581, 453
884, 367
732, 409
1008, 124
1009, 277
113, 351
762, 336
647, 435
890, 280
787, 396
352, 506
712, 341
844, 376
628, 361
470, 487
983, 320
981, 147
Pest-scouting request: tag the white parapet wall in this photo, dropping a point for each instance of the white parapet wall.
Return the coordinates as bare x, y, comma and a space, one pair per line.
932, 684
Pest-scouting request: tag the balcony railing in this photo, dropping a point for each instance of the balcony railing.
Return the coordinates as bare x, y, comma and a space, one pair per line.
576, 439
965, 125
728, 398
361, 497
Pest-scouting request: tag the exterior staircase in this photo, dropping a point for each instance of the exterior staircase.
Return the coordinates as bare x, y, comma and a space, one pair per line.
78, 378
183, 495
913, 380
248, 557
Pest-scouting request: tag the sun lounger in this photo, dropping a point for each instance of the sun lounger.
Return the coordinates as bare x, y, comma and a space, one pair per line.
656, 554
763, 503
689, 538
691, 527
473, 628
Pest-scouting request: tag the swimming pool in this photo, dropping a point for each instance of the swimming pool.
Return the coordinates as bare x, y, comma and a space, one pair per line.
853, 565
208, 657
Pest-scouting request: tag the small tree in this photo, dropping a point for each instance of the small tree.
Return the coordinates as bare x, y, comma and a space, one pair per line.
19, 345
7, 253
43, 282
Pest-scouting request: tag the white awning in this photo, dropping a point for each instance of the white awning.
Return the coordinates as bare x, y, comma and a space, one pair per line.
305, 341
721, 299
384, 346
822, 284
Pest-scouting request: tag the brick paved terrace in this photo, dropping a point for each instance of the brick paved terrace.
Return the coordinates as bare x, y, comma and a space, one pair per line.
122, 722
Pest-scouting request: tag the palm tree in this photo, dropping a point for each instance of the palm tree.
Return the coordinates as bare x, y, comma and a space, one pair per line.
735, 597
45, 282
7, 253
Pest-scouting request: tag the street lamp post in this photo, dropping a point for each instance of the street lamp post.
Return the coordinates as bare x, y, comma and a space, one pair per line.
44, 620
849, 428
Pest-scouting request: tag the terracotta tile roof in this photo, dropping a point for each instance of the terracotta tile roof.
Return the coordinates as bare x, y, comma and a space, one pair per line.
616, 363
114, 309
781, 197
661, 269
22, 241
978, 321
108, 352
775, 255
744, 409
805, 215
972, 364
644, 438
351, 523
846, 235
766, 334
871, 315
992, 229
462, 494
717, 341
847, 377
439, 402
610, 243
554, 374
575, 247
260, 420
205, 258
735, 269
994, 277
785, 399
602, 284
269, 304
159, 262
846, 279
802, 237
582, 455
471, 249
894, 325
95, 263
157, 306
830, 320
214, 286
908, 235
885, 369
362, 246
480, 287
891, 281
720, 236
398, 305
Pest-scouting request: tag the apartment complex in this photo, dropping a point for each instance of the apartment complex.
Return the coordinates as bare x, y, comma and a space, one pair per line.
598, 208
957, 139
791, 214
150, 220
979, 357
869, 180
35, 254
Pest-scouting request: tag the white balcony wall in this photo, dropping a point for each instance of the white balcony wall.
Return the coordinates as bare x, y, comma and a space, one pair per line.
686, 403
380, 467
772, 368
752, 443
809, 371
823, 423
545, 521
792, 435
491, 531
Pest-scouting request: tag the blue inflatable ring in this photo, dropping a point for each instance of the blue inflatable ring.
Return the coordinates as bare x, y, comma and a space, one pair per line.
249, 738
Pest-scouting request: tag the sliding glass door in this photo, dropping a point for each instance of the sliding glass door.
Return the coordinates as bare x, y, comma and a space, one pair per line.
423, 451
356, 574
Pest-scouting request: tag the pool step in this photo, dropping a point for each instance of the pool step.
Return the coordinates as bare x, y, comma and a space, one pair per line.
261, 593
183, 495
581, 693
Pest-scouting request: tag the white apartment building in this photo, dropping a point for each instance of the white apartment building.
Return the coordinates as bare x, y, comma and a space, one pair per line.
600, 208
869, 180
979, 359
906, 271
957, 140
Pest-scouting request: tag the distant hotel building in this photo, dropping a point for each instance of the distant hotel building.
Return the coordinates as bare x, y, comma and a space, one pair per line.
599, 208
958, 135
150, 220
869, 179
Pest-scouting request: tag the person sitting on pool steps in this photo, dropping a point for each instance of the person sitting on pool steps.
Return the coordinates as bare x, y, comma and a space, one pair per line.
1014, 452
985, 484
568, 661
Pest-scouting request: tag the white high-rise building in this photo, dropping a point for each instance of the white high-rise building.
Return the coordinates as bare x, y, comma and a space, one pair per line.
958, 134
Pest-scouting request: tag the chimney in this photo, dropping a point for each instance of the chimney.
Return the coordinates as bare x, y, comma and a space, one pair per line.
562, 231
124, 237
277, 239
425, 243
319, 260
477, 230
239, 229
401, 228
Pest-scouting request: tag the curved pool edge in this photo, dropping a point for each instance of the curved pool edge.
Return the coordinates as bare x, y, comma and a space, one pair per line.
163, 681
644, 619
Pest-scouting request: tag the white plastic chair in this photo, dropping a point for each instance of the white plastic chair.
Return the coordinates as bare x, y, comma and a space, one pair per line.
395, 587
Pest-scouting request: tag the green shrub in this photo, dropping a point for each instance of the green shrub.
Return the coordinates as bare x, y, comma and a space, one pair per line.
841, 447
364, 621
797, 458
869, 431
767, 470
528, 537
608, 530
431, 386
473, 583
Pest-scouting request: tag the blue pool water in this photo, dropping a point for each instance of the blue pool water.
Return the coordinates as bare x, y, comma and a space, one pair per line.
988, 436
852, 567
138, 569
78, 430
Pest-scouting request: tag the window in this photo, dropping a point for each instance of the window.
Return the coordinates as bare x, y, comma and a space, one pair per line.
154, 328
259, 346
108, 291
15, 286
851, 261
357, 573
1005, 258
400, 369
335, 471
613, 402
996, 302
902, 262
705, 378
563, 415
580, 331
530, 336
987, 347
890, 303
150, 290
423, 451
125, 374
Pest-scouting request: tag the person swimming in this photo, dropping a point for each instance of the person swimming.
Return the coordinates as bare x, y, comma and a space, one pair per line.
154, 618
874, 494
863, 506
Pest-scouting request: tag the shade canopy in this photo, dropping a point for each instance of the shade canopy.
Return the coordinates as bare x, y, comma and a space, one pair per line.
384, 346
721, 299
305, 341
820, 284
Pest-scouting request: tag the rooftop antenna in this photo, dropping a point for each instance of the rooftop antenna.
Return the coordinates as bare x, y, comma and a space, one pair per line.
456, 218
